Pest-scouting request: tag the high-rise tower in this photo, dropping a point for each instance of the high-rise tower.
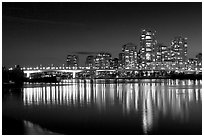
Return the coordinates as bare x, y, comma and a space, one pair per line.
130, 55
179, 49
147, 45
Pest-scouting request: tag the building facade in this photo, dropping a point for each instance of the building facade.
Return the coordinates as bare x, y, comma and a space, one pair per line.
90, 61
121, 60
161, 53
179, 50
72, 61
102, 60
147, 45
130, 55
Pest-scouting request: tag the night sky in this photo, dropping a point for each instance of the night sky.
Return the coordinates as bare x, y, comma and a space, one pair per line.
45, 33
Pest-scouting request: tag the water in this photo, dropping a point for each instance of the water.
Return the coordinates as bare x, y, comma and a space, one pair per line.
104, 107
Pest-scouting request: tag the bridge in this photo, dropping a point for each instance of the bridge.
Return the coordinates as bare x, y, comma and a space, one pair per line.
29, 71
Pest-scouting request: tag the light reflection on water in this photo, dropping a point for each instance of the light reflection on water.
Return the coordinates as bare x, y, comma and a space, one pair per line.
151, 98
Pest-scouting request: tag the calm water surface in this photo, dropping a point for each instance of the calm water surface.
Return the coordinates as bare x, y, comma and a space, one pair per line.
104, 107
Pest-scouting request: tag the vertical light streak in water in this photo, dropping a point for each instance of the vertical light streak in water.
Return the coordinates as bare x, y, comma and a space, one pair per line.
76, 93
147, 109
196, 82
73, 93
48, 95
57, 95
112, 95
26, 94
153, 92
120, 90
99, 95
53, 95
24, 97
94, 92
81, 94
158, 96
136, 96
33, 94
63, 90
190, 92
60, 94
177, 82
88, 91
40, 93
67, 97
201, 94
103, 94
38, 97
196, 94
128, 90
69, 94
164, 93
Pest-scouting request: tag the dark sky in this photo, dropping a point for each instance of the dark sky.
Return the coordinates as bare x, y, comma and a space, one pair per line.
44, 33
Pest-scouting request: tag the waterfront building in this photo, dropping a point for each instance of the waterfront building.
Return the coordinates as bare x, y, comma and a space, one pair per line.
147, 45
114, 63
161, 53
130, 55
192, 64
72, 61
90, 61
199, 57
102, 60
121, 60
179, 50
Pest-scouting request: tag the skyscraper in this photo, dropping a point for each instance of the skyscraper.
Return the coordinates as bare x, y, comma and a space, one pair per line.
72, 61
121, 60
147, 45
114, 63
90, 61
161, 52
199, 57
130, 55
102, 60
179, 50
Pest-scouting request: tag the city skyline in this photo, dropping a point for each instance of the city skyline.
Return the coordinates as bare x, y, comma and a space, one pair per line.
39, 33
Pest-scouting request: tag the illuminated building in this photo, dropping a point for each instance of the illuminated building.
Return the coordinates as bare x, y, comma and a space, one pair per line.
102, 60
114, 63
130, 55
199, 57
147, 45
121, 60
72, 61
161, 53
192, 63
179, 50
90, 61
